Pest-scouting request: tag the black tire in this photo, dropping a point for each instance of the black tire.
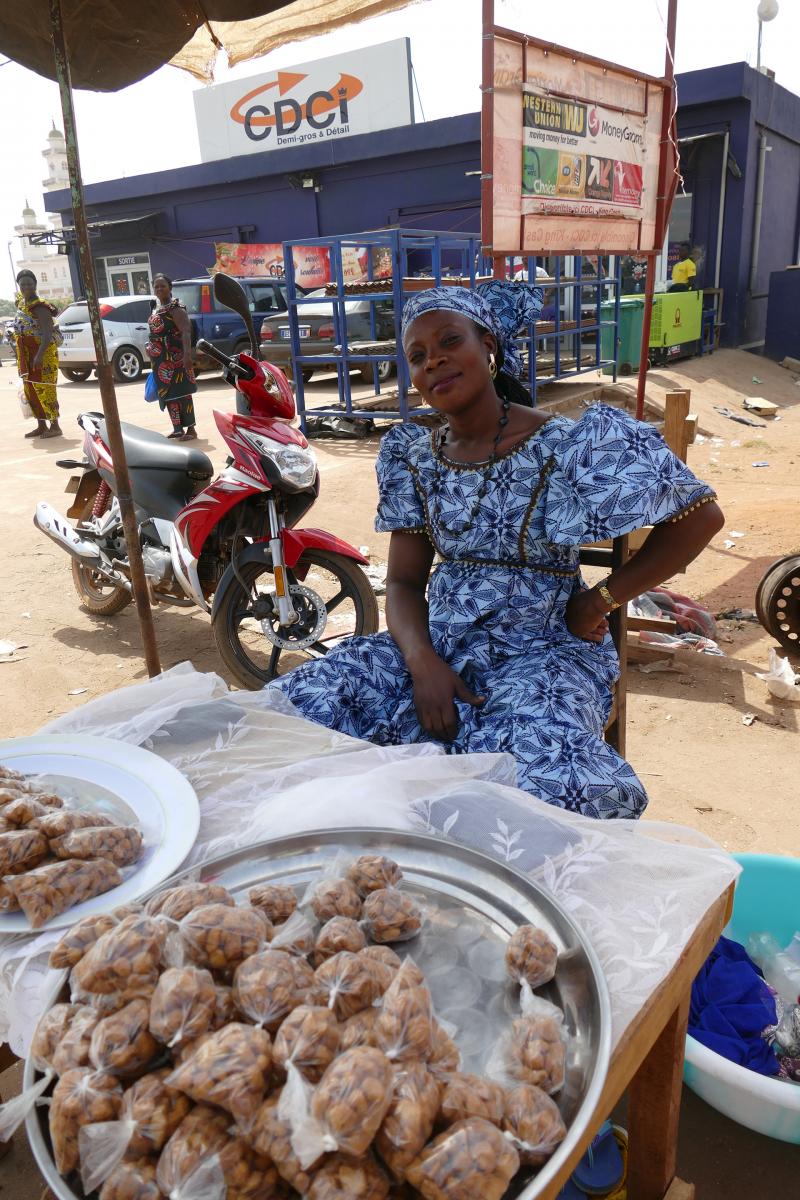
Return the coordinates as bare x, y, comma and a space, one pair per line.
127, 364
96, 594
307, 372
76, 374
250, 656
778, 603
385, 371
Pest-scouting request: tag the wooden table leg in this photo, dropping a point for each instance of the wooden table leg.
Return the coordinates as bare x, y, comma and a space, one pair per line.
654, 1102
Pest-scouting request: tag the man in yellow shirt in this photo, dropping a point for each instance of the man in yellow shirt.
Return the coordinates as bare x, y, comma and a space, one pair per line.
684, 271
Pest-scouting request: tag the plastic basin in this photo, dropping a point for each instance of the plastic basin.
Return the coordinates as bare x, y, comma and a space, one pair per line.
766, 899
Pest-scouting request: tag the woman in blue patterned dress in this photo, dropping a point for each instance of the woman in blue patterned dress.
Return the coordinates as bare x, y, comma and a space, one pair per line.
501, 646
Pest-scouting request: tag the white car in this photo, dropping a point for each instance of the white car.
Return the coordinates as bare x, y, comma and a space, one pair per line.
126, 330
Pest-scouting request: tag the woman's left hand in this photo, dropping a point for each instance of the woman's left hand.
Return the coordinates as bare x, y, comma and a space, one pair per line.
586, 617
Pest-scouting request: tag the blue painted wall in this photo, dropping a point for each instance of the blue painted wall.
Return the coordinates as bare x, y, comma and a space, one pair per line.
417, 176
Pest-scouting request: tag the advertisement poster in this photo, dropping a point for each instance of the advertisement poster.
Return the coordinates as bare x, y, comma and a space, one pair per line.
311, 263
359, 91
580, 158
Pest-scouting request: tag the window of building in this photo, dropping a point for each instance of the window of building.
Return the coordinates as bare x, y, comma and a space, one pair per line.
44, 276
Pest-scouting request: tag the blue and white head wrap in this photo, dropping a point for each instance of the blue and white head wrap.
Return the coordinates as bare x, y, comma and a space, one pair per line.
499, 305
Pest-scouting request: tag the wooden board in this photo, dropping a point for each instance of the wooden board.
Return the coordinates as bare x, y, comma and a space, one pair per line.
764, 408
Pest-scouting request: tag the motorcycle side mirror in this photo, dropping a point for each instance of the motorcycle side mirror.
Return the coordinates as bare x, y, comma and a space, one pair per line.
231, 293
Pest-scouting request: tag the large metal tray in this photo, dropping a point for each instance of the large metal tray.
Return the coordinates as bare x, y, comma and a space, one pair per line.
472, 903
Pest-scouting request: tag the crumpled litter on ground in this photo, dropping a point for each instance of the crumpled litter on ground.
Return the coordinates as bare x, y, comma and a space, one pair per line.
780, 679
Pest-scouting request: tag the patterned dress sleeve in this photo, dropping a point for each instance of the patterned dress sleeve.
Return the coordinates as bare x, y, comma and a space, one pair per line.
612, 475
399, 506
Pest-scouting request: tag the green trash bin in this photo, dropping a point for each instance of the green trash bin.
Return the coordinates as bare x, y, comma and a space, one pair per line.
629, 333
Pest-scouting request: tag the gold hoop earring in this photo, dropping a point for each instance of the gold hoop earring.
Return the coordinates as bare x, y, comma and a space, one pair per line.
492, 366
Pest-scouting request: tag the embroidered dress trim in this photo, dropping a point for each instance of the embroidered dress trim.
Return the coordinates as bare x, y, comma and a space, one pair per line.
684, 512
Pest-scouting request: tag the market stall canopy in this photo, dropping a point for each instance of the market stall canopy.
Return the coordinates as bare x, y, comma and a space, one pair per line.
113, 43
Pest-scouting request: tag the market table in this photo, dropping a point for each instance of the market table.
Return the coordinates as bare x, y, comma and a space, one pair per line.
651, 899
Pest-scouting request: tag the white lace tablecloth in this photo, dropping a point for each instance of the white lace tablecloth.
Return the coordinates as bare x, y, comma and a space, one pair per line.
637, 889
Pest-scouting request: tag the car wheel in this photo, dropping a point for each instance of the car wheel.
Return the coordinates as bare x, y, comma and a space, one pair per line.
288, 370
127, 364
385, 371
76, 374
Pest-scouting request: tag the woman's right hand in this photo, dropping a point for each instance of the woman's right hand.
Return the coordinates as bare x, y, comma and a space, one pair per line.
436, 687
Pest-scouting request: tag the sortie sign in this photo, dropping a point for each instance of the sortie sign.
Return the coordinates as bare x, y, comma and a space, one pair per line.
358, 92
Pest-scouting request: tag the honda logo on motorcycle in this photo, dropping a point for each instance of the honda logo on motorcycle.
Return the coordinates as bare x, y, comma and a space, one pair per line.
357, 92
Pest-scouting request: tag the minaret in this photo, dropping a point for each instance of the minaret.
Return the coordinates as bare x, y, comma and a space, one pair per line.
57, 174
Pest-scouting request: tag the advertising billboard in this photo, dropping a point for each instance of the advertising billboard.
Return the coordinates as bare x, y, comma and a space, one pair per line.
356, 92
311, 263
575, 154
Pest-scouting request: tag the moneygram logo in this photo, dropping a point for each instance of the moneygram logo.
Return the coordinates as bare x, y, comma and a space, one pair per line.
594, 122
321, 109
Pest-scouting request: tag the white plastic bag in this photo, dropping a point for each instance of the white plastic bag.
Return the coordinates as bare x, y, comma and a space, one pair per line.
24, 407
780, 679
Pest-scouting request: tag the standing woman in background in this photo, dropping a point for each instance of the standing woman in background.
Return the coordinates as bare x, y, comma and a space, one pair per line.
170, 350
35, 341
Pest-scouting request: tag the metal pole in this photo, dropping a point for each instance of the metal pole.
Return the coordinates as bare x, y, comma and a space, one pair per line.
758, 52
723, 184
104, 375
650, 279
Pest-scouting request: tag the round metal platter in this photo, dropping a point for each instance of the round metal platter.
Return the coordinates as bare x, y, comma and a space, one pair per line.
472, 904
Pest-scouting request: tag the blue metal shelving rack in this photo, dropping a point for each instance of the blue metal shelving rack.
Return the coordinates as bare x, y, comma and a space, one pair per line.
437, 255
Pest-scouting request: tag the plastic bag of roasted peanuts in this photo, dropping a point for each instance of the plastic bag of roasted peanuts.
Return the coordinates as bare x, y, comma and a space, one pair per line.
409, 1121
345, 1178
51, 889
390, 915
534, 1049
72, 946
471, 1096
472, 1160
222, 937
277, 901
349, 984
230, 1069
122, 1042
309, 1039
371, 872
57, 824
296, 936
24, 809
21, 850
177, 902
183, 1006
122, 845
125, 959
533, 1123
531, 956
80, 1098
405, 1027
340, 933
271, 1135
332, 894
202, 1152
133, 1179
346, 1108
267, 986
75, 1042
45, 1046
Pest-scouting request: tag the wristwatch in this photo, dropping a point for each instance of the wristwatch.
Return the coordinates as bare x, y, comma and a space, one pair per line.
608, 599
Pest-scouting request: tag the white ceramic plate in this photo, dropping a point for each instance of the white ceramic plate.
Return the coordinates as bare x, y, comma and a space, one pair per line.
127, 784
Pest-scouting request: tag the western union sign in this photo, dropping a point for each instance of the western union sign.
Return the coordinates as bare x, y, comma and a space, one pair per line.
557, 116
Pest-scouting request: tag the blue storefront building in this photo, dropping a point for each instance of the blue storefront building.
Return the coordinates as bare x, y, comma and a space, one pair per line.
740, 206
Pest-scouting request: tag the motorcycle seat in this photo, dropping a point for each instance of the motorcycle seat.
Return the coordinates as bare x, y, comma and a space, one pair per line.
153, 452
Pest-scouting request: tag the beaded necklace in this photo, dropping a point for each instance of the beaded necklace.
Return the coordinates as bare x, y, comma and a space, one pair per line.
436, 517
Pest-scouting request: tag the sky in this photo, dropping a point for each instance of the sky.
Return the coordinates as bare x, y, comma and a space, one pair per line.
116, 130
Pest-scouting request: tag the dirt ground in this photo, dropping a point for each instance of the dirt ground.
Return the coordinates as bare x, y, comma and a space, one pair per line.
701, 764
686, 737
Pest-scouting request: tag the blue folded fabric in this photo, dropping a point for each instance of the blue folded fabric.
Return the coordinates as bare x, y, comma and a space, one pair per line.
731, 1005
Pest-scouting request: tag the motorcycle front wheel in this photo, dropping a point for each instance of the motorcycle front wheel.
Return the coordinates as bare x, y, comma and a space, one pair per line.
327, 588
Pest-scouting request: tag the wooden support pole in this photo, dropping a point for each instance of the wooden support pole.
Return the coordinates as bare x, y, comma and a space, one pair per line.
676, 431
108, 394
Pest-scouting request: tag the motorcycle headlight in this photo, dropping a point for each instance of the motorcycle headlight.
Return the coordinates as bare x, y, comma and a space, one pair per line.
297, 466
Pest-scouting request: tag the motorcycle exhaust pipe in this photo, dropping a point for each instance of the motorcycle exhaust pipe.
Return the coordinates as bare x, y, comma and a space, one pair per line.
50, 522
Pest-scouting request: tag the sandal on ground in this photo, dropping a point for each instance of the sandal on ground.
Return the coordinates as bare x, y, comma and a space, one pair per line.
190, 435
602, 1168
37, 432
52, 432
176, 433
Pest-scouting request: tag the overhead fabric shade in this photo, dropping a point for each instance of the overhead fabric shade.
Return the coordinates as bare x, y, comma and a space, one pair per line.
114, 43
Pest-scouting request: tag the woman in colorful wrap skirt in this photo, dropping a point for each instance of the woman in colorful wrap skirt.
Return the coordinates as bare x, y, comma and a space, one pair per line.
36, 339
170, 350
501, 646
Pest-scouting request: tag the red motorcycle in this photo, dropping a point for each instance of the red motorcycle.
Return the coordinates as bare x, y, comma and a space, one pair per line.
276, 594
